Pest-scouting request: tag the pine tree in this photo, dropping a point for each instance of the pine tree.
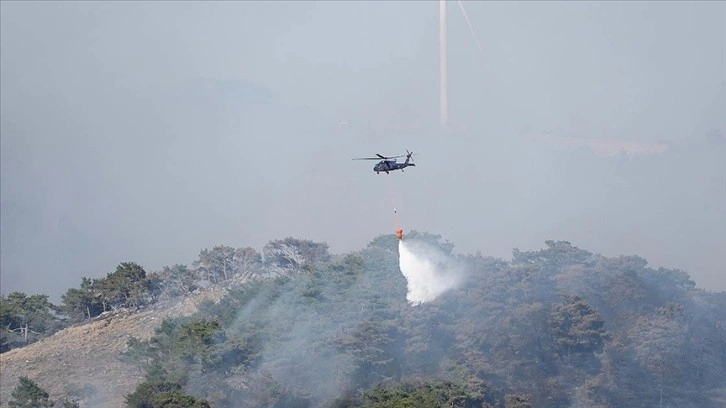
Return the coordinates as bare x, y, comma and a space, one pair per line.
27, 394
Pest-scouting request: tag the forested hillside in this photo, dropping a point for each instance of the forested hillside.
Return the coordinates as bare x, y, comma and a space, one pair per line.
298, 326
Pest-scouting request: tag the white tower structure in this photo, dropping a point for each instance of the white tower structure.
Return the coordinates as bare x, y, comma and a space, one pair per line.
443, 90
443, 59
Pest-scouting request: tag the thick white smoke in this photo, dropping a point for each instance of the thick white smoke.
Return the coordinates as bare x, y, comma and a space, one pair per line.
428, 271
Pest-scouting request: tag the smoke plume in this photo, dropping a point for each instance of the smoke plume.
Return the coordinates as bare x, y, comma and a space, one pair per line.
428, 271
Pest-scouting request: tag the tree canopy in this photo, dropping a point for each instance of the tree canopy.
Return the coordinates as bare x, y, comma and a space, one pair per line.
300, 326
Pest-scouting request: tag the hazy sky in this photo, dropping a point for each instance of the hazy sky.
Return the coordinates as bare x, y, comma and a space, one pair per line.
146, 131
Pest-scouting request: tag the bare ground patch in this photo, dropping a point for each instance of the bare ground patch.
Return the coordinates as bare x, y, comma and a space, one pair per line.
84, 359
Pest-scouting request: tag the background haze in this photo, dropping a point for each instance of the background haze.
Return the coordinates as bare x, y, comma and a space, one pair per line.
147, 131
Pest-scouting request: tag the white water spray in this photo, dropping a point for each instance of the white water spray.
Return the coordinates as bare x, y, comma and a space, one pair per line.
428, 271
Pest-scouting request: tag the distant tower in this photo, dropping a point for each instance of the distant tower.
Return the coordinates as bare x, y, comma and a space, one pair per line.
443, 85
443, 92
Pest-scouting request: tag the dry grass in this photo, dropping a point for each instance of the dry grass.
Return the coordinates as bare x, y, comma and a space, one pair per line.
84, 359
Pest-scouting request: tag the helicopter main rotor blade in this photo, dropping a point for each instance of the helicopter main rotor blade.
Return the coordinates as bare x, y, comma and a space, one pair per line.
380, 157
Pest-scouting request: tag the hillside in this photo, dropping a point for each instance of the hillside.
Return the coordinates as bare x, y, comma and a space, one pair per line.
83, 360
396, 323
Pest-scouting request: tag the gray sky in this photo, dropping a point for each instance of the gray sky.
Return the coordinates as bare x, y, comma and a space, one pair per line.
147, 131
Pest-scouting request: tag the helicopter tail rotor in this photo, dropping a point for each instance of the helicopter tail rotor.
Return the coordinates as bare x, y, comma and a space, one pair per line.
409, 156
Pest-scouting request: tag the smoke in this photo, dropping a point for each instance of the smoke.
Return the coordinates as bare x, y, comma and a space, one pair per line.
428, 271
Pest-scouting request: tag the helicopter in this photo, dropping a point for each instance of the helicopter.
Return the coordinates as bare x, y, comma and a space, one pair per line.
388, 164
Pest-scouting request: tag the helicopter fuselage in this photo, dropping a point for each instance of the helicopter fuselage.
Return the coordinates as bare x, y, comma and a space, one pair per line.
390, 165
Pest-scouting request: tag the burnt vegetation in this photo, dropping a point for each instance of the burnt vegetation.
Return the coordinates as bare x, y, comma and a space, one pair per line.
300, 327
